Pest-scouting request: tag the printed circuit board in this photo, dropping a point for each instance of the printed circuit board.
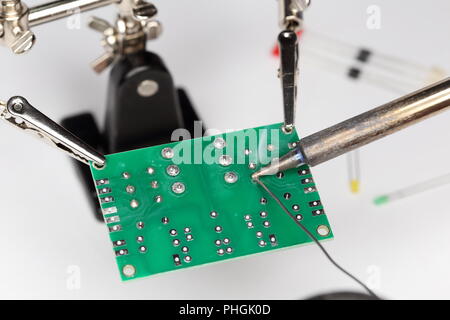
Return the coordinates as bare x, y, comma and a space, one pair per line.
193, 202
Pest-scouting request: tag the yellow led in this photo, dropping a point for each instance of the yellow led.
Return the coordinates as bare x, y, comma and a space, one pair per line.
354, 186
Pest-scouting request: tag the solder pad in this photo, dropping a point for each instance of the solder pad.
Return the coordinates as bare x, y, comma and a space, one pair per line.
205, 209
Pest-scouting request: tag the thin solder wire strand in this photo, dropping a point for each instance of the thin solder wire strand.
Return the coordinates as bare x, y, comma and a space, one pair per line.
325, 252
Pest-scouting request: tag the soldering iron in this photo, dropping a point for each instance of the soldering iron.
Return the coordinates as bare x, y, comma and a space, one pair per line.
364, 128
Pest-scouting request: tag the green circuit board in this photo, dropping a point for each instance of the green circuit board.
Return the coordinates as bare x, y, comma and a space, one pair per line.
193, 202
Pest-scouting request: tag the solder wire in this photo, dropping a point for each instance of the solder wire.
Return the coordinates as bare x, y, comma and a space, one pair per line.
325, 252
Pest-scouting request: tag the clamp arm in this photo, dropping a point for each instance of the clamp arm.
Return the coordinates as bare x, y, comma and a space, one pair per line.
16, 18
20, 113
291, 21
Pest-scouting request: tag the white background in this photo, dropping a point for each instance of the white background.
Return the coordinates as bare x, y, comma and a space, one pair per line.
220, 51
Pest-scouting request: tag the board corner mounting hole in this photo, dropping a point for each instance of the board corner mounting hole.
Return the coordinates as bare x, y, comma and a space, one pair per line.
165, 209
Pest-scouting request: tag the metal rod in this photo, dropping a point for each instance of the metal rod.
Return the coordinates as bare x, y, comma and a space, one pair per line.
291, 13
364, 128
62, 8
376, 123
354, 171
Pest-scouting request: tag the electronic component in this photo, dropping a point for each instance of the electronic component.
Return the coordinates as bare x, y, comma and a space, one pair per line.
353, 167
363, 65
413, 190
203, 211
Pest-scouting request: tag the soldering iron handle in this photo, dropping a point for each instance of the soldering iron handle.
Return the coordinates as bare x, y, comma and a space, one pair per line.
375, 124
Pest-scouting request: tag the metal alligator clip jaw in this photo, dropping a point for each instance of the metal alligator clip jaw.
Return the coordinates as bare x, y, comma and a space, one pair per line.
288, 74
23, 115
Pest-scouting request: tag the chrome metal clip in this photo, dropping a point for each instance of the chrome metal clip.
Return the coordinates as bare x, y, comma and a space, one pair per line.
288, 74
23, 115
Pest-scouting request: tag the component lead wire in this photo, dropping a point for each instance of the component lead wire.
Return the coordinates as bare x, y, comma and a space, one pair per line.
413, 190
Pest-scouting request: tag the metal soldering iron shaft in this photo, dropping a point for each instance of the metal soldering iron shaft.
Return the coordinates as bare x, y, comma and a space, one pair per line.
365, 128
376, 123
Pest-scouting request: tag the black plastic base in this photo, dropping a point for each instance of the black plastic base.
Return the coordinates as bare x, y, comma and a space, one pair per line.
133, 120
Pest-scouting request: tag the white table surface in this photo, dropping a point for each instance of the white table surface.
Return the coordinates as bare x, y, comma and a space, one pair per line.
220, 52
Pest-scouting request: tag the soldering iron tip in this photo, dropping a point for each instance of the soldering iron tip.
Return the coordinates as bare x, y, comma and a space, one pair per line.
270, 169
